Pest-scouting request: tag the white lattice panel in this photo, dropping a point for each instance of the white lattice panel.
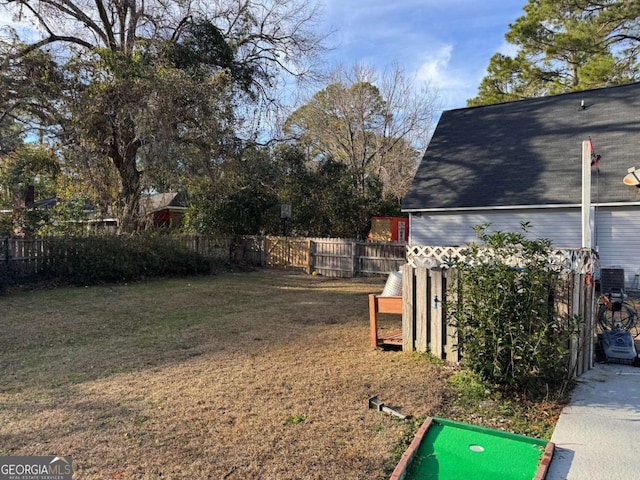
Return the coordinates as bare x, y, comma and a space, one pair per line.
421, 255
569, 260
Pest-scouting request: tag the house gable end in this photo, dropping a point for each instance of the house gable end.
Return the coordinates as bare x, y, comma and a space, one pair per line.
529, 152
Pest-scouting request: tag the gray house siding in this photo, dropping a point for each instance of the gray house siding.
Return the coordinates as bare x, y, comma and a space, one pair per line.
618, 239
561, 226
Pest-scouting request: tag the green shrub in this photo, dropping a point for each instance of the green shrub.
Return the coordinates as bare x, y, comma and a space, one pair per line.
508, 329
469, 387
111, 259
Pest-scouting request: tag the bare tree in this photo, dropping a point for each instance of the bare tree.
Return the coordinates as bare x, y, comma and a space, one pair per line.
116, 54
377, 124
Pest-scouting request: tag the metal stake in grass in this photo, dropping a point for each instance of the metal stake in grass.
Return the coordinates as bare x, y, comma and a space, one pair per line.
374, 402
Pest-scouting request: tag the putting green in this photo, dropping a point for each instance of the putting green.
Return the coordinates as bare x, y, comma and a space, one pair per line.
452, 450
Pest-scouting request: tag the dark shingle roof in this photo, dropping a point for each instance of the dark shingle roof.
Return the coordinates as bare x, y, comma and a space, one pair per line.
529, 152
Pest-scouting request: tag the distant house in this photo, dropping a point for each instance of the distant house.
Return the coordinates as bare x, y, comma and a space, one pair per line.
521, 162
157, 211
164, 210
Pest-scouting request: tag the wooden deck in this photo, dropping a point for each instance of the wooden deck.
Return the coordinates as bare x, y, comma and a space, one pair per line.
384, 337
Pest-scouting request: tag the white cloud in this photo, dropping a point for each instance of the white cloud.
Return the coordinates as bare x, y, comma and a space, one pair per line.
454, 81
437, 71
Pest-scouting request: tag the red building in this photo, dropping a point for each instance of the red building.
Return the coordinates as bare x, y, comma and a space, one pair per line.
389, 229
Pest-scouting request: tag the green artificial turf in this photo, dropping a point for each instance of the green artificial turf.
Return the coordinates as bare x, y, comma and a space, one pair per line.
452, 450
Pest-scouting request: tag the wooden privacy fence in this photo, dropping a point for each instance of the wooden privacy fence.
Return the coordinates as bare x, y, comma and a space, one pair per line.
22, 258
576, 296
214, 247
426, 328
424, 320
331, 257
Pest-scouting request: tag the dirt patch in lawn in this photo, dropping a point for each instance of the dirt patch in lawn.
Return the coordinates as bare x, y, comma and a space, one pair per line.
237, 376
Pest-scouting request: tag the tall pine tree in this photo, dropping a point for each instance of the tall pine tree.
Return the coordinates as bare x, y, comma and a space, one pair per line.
565, 45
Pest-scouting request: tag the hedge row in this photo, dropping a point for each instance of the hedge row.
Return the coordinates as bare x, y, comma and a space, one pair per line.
112, 259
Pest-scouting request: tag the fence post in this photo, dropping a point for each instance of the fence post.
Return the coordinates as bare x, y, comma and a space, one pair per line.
354, 259
262, 248
450, 295
587, 315
421, 309
10, 245
583, 330
264, 245
575, 310
590, 313
5, 254
408, 311
435, 300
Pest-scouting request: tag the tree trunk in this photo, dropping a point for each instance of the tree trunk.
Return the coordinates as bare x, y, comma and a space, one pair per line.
123, 152
129, 215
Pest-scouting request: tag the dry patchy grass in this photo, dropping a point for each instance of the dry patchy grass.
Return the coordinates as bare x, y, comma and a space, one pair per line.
237, 376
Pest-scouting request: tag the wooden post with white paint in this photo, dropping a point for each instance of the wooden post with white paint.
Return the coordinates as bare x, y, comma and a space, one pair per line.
586, 194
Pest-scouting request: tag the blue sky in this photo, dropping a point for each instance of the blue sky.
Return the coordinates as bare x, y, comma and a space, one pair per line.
446, 42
